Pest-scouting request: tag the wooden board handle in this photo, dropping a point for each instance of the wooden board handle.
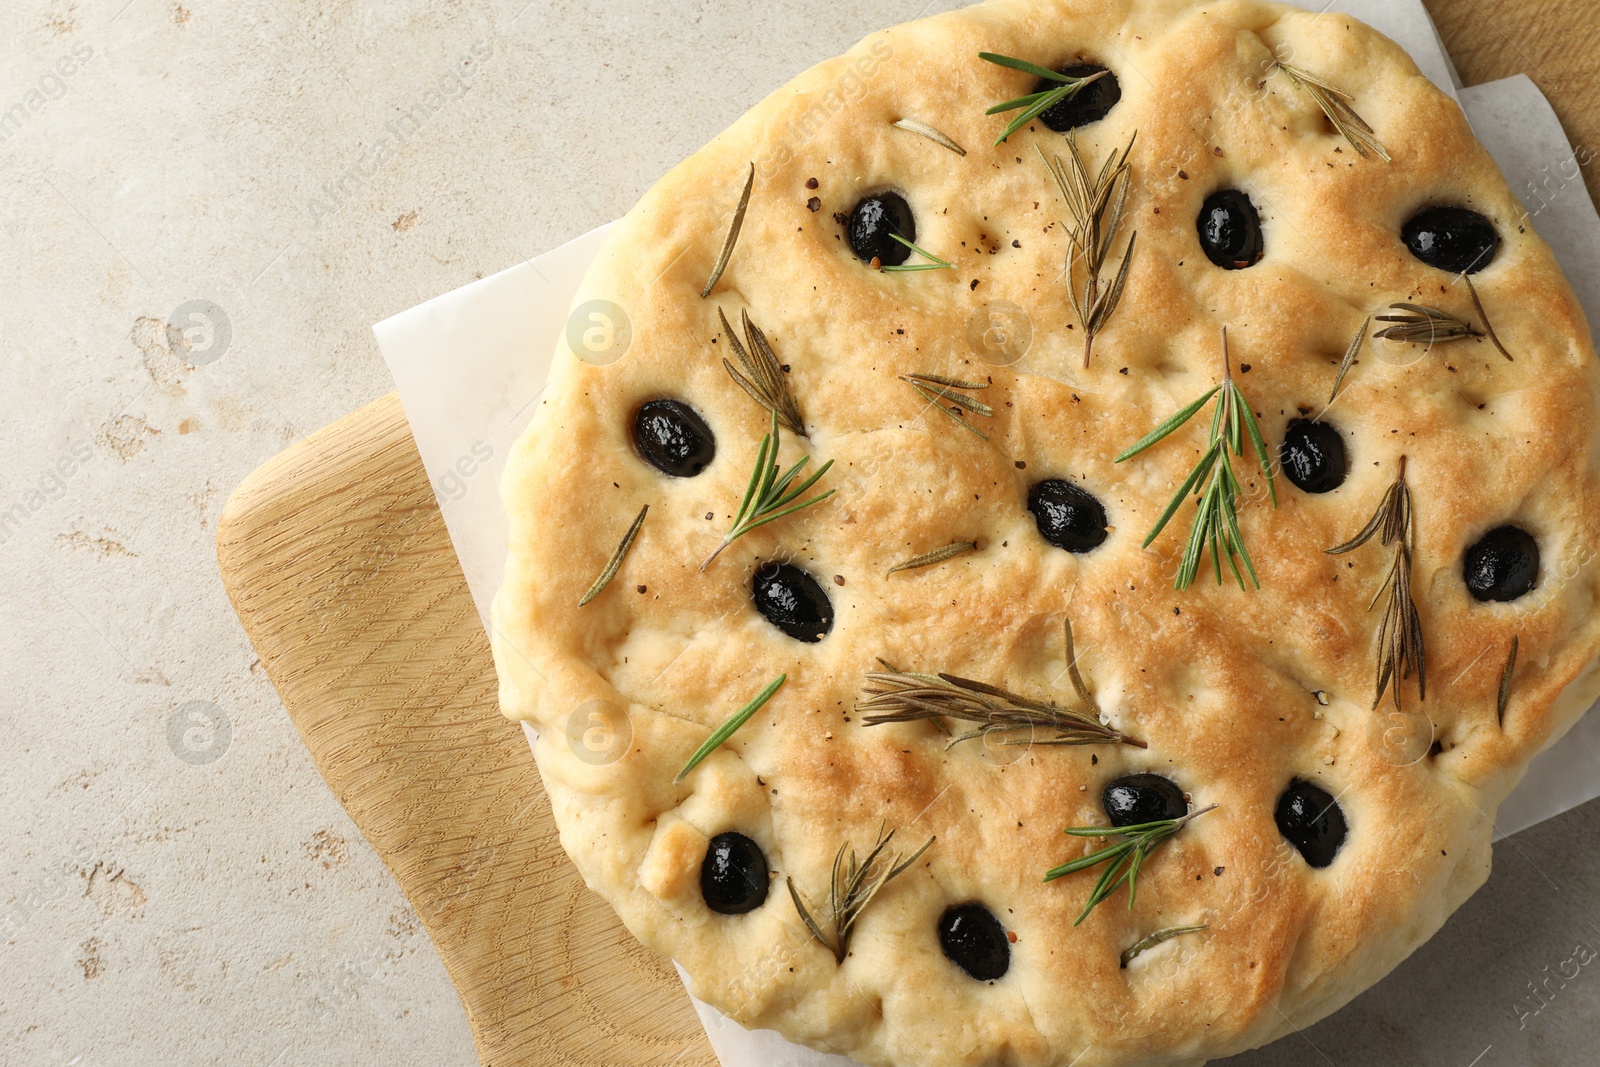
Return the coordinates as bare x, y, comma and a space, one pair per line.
339, 565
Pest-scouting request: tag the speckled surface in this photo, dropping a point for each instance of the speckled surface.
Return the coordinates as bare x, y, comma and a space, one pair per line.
177, 885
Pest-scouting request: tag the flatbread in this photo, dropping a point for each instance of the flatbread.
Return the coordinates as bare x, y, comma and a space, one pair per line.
1236, 693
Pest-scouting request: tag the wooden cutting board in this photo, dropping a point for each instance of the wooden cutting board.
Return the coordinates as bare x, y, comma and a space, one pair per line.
339, 566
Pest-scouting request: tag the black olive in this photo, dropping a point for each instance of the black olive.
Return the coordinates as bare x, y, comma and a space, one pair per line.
1313, 456
871, 224
673, 438
733, 876
793, 601
1503, 565
974, 940
1311, 821
1091, 104
1067, 515
1230, 230
1140, 798
1452, 239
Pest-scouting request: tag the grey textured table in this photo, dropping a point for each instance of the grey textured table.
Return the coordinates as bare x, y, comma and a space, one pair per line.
204, 206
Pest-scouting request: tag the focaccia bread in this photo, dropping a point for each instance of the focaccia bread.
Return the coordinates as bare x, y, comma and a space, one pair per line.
1312, 766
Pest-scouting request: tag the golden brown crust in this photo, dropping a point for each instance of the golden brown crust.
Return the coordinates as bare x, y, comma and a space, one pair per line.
1222, 685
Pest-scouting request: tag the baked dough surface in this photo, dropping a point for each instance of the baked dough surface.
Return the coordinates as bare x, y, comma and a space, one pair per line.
1235, 693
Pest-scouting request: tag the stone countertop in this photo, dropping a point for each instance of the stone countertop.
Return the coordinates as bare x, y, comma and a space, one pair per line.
205, 206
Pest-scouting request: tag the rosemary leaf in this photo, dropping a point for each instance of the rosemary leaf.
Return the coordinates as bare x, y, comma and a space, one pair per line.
1401, 651
1103, 310
1201, 471
1096, 205
1484, 318
768, 497
1024, 102
1072, 672
1215, 487
940, 379
1349, 360
938, 555
926, 382
1151, 941
1027, 68
726, 730
1424, 324
904, 268
853, 886
805, 917
933, 399
1257, 442
936, 136
1124, 859
1505, 682
733, 235
1377, 521
977, 407
927, 679
610, 571
1167, 427
763, 375
1335, 103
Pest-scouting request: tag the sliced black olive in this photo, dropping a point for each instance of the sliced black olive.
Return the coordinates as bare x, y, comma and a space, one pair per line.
975, 941
793, 601
1503, 565
1312, 821
872, 223
1067, 515
1091, 103
1313, 456
673, 438
1140, 798
1230, 230
1452, 239
733, 876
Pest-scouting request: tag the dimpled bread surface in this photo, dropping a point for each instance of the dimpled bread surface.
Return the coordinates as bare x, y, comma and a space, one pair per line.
1235, 693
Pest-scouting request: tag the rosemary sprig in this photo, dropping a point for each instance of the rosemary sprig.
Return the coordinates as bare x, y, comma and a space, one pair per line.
1483, 316
1124, 859
733, 235
905, 268
763, 373
1144, 944
938, 137
1424, 324
936, 387
610, 571
1505, 682
898, 696
903, 696
938, 555
1215, 486
1035, 104
1096, 205
768, 497
1401, 650
1335, 103
726, 730
1349, 360
852, 888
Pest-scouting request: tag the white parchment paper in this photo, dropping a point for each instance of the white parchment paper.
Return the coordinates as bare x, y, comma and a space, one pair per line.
470, 366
